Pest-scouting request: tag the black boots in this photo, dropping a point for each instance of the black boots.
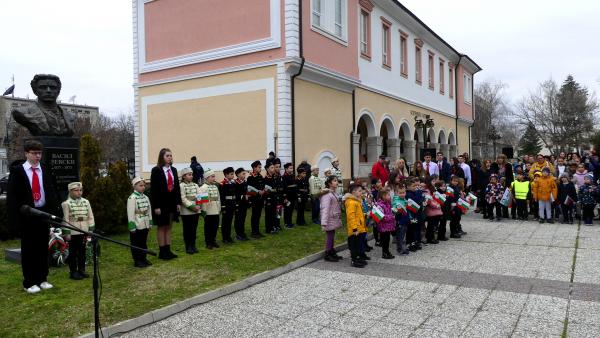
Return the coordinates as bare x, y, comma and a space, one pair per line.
332, 256
166, 253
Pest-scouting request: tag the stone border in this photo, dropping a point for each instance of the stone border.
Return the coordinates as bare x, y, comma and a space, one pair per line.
167, 311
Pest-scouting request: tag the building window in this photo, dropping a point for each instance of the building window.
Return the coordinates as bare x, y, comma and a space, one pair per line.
451, 80
431, 70
403, 54
418, 61
386, 49
365, 34
329, 18
467, 88
316, 12
442, 72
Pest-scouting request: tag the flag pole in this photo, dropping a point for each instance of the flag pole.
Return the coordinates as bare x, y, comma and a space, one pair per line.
13, 83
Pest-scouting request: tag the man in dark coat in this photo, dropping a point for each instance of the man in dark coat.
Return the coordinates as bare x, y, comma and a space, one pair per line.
32, 184
444, 167
197, 171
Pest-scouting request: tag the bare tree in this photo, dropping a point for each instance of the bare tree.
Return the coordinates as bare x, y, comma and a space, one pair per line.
492, 109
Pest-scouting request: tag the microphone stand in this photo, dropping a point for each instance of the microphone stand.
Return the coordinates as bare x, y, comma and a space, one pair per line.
96, 277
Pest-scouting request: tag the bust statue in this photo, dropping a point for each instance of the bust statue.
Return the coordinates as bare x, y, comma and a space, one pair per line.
45, 117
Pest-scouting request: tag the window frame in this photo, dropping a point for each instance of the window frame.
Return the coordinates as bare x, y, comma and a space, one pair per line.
315, 13
451, 79
419, 61
431, 69
386, 43
327, 16
403, 54
467, 88
442, 64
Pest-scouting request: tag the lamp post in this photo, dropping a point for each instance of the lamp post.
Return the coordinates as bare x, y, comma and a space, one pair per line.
424, 124
494, 136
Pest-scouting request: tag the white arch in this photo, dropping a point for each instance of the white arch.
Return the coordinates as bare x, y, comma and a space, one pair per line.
451, 138
327, 156
442, 136
431, 135
369, 122
389, 125
405, 127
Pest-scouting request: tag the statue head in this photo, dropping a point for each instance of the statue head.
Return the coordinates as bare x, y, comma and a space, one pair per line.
46, 87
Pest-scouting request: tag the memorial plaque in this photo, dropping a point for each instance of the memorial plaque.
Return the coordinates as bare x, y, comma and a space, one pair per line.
61, 157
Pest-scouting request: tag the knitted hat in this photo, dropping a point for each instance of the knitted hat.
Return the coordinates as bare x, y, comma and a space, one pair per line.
315, 168
546, 169
537, 173
136, 180
185, 171
208, 173
74, 185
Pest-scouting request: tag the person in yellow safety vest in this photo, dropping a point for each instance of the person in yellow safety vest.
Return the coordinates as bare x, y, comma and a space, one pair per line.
520, 190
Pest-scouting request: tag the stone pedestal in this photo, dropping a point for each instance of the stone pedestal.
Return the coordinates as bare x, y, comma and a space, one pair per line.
445, 149
374, 144
393, 149
409, 151
61, 157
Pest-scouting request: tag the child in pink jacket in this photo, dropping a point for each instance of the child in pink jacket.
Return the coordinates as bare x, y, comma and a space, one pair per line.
434, 214
387, 225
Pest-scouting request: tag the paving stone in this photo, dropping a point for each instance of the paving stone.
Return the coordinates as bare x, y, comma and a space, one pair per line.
540, 325
386, 329
353, 324
583, 312
583, 330
406, 318
545, 307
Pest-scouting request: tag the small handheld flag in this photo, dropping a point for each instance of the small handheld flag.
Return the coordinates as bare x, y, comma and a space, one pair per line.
450, 192
471, 198
463, 205
439, 197
202, 198
376, 214
252, 191
412, 206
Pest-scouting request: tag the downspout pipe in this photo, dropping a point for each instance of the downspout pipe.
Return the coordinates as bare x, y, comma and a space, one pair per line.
456, 102
352, 133
292, 83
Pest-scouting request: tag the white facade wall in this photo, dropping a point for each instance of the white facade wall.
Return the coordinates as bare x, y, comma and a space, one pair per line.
373, 75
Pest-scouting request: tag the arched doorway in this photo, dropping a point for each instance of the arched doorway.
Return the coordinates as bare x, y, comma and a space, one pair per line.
386, 132
365, 129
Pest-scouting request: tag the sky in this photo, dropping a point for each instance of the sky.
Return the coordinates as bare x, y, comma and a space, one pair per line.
89, 44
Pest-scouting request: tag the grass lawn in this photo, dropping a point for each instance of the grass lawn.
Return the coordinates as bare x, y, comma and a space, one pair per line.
67, 309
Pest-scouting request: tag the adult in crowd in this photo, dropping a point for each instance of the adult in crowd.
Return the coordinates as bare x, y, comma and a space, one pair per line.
379, 171
503, 169
483, 179
30, 184
430, 167
444, 167
561, 167
165, 197
456, 169
197, 171
462, 161
539, 165
401, 168
335, 170
419, 170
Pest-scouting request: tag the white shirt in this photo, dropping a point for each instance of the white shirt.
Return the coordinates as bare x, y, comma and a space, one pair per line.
433, 168
561, 169
465, 167
27, 166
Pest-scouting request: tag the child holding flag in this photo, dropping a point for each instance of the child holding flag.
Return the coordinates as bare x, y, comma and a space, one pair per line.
434, 213
567, 196
139, 217
493, 195
376, 186
211, 207
414, 201
453, 193
190, 209
402, 219
387, 223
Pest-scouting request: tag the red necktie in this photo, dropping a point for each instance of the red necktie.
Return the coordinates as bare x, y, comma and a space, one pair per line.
35, 185
169, 180
428, 168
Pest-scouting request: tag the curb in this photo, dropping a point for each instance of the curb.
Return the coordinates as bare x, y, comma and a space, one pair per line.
167, 311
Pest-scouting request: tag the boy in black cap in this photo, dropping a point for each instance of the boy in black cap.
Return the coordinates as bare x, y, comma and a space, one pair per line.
271, 201
278, 186
303, 195
256, 190
241, 199
290, 194
227, 193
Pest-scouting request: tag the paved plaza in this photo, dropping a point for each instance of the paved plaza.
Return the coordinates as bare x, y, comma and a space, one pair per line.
519, 279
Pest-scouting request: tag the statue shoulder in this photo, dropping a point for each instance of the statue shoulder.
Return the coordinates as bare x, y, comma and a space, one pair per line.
27, 113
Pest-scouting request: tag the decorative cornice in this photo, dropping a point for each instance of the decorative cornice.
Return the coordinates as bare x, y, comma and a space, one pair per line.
419, 42
366, 5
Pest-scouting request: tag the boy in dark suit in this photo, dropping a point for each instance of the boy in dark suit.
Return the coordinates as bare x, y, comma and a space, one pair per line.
32, 184
257, 184
303, 195
241, 200
227, 193
290, 194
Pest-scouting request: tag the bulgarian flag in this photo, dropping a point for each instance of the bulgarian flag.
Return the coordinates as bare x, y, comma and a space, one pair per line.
376, 214
463, 205
569, 201
439, 198
412, 206
450, 192
472, 199
202, 197
252, 191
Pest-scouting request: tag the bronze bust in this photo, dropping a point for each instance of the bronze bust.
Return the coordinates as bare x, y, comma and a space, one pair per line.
45, 117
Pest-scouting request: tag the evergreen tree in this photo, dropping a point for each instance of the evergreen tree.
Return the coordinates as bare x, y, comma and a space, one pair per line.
530, 141
90, 153
576, 110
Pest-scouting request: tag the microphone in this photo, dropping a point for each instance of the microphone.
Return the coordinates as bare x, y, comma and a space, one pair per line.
27, 210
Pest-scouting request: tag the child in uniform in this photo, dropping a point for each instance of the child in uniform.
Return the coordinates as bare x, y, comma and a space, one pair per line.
227, 195
416, 218
355, 222
271, 200
190, 209
139, 218
453, 192
256, 200
77, 211
303, 195
290, 194
211, 209
241, 204
387, 225
376, 186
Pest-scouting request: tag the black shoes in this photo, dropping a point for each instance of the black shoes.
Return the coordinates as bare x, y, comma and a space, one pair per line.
331, 256
457, 235
387, 255
257, 236
241, 238
84, 274
75, 275
368, 248
228, 241
357, 263
443, 238
139, 264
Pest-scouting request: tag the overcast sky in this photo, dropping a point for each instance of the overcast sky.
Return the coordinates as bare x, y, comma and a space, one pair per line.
89, 43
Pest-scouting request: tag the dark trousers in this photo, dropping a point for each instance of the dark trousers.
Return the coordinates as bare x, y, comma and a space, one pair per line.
77, 253
300, 212
362, 237
432, 227
288, 211
414, 232
227, 219
455, 216
240, 220
139, 238
442, 226
521, 209
211, 224
401, 237
353, 245
482, 203
385, 241
34, 254
556, 210
190, 225
588, 213
504, 211
257, 206
513, 210
491, 207
533, 208
271, 220
316, 210
567, 211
